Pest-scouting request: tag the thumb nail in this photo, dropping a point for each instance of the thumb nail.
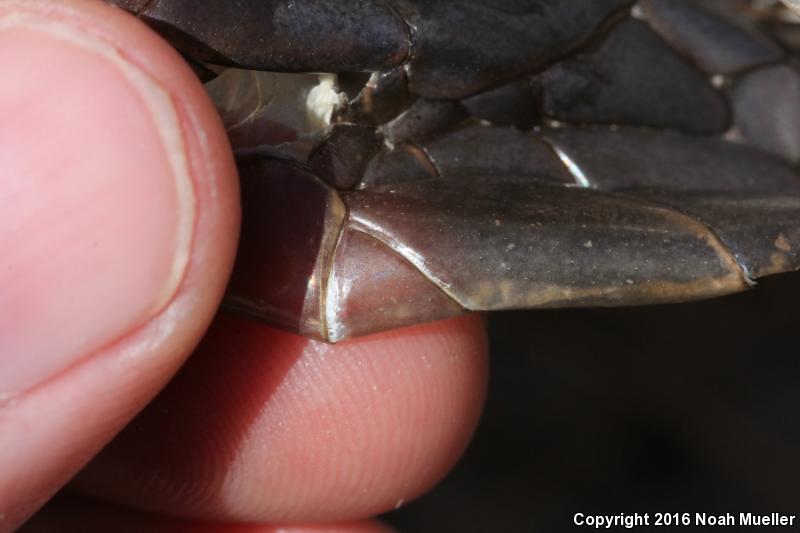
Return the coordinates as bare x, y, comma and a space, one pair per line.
96, 200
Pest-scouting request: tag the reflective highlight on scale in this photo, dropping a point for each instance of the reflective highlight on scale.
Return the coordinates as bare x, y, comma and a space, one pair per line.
478, 155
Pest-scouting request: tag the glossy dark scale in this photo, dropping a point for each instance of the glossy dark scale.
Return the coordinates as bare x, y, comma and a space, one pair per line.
633, 77
512, 154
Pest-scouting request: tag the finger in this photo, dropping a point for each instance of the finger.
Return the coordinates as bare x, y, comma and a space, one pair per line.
265, 426
72, 514
118, 221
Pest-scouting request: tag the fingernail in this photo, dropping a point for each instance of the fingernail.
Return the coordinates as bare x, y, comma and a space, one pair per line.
96, 200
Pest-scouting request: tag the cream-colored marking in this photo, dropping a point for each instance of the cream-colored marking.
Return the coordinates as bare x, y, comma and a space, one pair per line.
323, 100
163, 113
782, 243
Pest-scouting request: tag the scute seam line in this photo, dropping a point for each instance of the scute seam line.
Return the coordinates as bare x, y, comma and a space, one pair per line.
329, 273
410, 36
374, 231
723, 246
365, 231
569, 165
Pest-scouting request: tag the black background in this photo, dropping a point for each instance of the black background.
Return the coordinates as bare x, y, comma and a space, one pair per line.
676, 408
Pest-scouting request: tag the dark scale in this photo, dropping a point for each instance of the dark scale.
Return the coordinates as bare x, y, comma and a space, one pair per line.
633, 77
501, 154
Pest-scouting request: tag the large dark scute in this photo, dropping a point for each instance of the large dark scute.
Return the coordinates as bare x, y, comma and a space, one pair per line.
633, 78
284, 35
461, 48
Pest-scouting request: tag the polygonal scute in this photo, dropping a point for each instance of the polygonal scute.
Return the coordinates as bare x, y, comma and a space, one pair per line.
767, 106
406, 162
633, 78
384, 97
423, 119
280, 35
631, 158
761, 230
461, 48
373, 288
471, 150
290, 223
512, 104
340, 159
507, 244
715, 34
483, 151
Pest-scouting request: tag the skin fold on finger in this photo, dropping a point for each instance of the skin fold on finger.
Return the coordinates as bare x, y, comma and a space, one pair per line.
265, 426
51, 428
73, 514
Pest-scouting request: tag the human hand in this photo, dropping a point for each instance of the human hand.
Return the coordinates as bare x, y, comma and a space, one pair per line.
118, 222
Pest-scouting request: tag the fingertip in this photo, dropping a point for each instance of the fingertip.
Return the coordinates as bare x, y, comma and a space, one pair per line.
286, 429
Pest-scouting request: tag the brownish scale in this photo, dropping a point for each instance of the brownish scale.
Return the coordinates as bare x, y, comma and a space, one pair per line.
499, 154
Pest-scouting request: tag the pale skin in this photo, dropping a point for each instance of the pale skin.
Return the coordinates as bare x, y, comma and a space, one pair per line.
119, 217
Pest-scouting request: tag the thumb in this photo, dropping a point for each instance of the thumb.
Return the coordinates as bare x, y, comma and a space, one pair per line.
118, 222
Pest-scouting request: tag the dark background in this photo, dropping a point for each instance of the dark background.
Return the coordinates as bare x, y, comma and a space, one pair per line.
676, 408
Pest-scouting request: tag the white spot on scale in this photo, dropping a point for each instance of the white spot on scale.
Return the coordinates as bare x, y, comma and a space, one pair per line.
783, 244
323, 100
